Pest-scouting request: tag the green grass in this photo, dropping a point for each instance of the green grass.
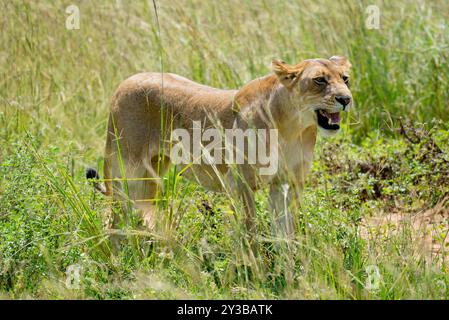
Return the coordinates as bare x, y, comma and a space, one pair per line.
55, 91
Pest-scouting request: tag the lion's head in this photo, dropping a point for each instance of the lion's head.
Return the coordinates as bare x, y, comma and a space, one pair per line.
321, 86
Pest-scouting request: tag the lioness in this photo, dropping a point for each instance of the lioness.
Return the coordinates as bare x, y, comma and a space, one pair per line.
296, 100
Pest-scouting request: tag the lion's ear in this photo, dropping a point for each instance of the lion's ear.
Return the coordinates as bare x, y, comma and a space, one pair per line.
287, 74
341, 61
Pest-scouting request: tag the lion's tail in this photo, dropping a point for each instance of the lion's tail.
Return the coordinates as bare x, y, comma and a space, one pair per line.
92, 175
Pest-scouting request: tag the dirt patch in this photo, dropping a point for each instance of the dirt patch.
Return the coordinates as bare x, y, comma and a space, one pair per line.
428, 229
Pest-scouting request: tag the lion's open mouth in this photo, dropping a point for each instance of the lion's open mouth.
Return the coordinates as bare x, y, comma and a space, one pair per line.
328, 120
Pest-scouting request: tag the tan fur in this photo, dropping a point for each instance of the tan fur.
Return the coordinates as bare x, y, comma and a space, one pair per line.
284, 100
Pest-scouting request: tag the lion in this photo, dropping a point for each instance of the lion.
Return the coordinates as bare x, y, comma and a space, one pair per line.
298, 101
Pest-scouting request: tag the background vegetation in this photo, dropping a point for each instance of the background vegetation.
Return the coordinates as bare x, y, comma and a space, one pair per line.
374, 218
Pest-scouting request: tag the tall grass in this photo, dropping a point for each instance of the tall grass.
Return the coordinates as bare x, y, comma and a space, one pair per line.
55, 91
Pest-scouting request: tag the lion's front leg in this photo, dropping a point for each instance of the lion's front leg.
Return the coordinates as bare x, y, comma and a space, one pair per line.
284, 202
246, 194
285, 199
242, 185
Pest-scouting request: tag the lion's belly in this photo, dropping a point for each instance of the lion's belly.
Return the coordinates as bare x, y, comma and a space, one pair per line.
213, 178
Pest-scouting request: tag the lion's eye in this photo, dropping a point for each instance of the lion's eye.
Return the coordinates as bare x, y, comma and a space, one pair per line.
346, 80
320, 81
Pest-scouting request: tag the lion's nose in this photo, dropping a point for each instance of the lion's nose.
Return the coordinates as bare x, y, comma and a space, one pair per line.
343, 100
